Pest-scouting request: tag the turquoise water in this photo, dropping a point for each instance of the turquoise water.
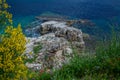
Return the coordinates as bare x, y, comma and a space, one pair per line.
102, 12
23, 20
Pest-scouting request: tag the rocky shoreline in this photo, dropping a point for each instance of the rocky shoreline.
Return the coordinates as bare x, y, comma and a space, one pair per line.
32, 30
57, 41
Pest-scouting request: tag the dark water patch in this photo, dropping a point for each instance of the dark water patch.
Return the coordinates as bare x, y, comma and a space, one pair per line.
78, 9
87, 10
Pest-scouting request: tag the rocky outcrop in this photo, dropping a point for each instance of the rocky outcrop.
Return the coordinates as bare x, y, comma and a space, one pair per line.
60, 29
56, 42
54, 52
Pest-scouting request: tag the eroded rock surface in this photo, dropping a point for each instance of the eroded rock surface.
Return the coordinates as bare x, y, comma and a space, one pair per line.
56, 42
60, 29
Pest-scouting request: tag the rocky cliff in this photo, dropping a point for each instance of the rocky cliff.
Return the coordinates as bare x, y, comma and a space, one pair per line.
55, 45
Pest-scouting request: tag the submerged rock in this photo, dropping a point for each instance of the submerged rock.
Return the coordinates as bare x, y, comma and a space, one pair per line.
56, 42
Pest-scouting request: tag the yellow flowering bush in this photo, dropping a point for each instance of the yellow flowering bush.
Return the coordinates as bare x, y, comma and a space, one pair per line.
12, 46
5, 17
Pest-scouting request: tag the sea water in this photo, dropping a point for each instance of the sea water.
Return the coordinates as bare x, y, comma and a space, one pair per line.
102, 12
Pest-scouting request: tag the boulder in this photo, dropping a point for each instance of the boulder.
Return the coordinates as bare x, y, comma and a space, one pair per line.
60, 29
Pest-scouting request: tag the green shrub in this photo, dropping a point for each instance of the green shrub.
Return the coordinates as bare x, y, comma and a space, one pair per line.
37, 75
108, 56
44, 76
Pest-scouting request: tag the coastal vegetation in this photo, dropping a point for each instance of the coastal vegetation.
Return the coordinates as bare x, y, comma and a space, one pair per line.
104, 64
12, 46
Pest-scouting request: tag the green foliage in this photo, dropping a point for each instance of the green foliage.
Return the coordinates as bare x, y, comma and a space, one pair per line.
41, 75
29, 60
37, 48
77, 68
108, 56
44, 76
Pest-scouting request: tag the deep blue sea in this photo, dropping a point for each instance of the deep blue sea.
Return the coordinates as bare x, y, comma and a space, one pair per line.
101, 12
